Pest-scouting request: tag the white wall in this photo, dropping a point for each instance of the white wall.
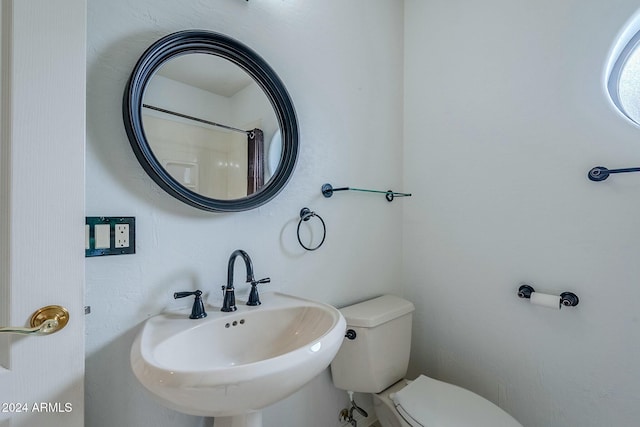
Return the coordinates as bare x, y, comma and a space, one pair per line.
505, 113
342, 65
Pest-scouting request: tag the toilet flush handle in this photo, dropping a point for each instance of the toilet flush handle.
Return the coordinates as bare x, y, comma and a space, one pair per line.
351, 334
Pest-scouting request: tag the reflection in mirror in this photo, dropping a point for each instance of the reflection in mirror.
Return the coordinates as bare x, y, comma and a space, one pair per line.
206, 121
274, 152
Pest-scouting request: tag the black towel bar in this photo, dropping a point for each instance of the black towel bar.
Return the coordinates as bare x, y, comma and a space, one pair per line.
600, 173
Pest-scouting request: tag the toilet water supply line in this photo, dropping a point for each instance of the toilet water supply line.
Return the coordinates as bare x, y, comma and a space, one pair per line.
361, 411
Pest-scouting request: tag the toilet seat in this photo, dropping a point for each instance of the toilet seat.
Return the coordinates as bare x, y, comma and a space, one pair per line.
427, 402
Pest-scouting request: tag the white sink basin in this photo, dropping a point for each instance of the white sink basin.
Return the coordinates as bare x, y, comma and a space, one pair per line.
229, 364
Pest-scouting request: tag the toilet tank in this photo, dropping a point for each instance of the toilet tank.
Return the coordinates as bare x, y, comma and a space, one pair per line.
378, 357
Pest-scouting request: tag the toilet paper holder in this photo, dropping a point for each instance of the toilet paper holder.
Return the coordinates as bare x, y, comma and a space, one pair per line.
567, 299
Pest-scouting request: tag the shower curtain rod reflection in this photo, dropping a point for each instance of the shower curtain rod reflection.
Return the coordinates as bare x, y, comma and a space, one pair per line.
207, 122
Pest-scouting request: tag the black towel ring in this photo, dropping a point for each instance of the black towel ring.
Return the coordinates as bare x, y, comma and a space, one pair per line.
305, 215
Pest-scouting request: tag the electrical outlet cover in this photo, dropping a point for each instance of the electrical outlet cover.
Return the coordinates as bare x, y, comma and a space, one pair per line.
121, 236
110, 236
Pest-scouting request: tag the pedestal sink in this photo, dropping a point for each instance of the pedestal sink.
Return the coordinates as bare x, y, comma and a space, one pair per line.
232, 365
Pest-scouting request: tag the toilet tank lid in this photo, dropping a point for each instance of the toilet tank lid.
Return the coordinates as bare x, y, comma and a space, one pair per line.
377, 311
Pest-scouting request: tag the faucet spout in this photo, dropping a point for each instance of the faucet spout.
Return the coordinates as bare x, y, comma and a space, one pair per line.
229, 303
247, 262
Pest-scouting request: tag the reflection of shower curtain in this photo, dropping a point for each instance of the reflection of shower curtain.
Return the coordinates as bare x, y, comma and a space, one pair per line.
255, 170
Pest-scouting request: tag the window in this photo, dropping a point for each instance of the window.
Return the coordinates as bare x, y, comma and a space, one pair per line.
624, 80
623, 76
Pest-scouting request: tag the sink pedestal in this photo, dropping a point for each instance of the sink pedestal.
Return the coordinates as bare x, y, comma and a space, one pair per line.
253, 419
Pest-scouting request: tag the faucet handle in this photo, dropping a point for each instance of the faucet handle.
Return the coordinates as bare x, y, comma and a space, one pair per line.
254, 298
197, 311
177, 295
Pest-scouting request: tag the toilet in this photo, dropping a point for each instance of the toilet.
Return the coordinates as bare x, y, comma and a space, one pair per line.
374, 357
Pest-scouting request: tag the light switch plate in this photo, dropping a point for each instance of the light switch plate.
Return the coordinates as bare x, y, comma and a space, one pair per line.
110, 235
102, 236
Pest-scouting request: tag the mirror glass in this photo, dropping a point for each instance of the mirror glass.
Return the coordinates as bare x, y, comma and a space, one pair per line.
211, 122
209, 125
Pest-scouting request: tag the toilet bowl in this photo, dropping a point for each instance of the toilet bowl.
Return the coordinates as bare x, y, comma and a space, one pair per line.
428, 402
374, 358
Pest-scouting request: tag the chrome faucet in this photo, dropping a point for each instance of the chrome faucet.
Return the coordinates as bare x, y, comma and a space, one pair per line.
229, 303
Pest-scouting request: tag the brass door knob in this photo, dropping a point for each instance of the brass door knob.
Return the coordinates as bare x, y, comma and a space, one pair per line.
45, 321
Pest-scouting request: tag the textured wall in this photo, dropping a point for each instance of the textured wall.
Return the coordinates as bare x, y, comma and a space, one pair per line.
505, 112
342, 65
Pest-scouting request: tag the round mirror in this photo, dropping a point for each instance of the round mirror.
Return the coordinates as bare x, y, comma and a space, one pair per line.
202, 112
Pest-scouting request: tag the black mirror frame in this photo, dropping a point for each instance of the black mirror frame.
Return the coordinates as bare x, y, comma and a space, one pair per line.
201, 41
